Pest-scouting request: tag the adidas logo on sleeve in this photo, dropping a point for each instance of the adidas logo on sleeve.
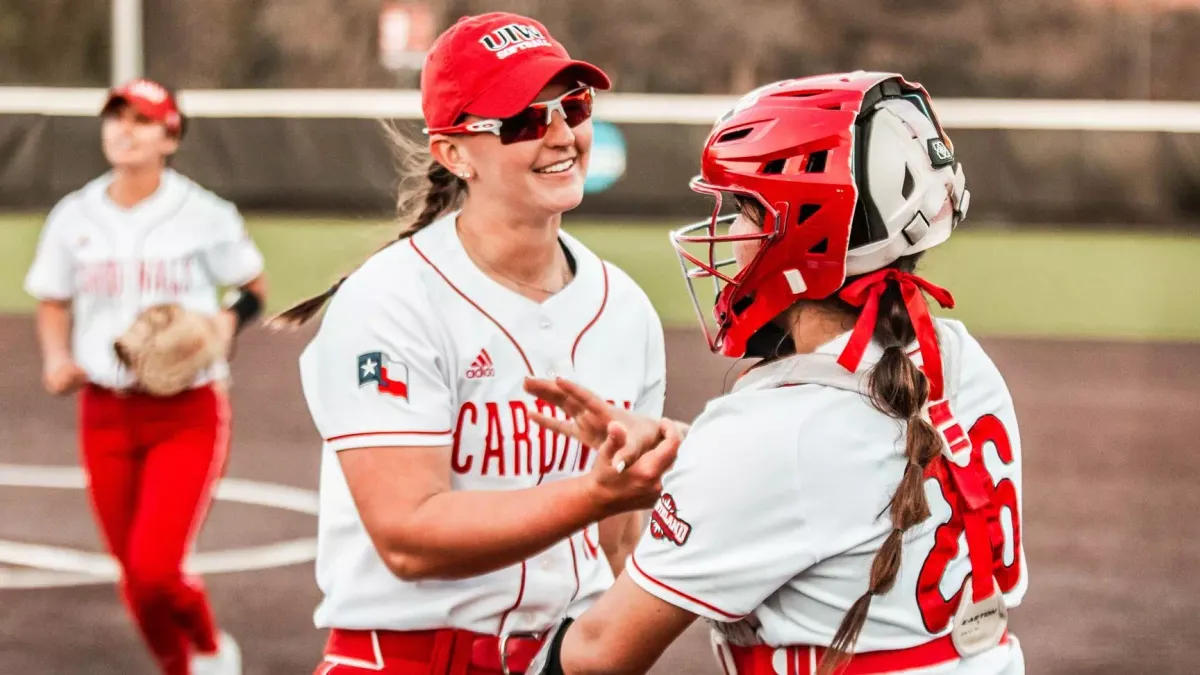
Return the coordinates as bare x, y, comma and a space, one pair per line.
481, 367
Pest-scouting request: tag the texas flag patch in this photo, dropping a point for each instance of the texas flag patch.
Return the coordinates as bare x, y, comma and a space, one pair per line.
390, 377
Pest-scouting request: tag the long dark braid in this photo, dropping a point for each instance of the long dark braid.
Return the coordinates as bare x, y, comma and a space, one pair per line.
898, 389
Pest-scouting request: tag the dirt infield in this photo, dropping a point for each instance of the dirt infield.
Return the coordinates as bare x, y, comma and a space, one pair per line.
1109, 504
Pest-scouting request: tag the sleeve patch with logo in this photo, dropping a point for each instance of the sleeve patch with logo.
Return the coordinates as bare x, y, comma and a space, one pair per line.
665, 522
389, 377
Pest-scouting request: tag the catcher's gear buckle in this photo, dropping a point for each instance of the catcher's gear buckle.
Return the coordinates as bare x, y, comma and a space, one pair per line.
979, 625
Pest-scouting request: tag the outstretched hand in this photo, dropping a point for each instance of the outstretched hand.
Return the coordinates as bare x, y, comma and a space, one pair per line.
627, 442
623, 484
588, 417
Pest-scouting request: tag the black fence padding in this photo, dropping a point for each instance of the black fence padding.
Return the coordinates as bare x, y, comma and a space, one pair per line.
347, 165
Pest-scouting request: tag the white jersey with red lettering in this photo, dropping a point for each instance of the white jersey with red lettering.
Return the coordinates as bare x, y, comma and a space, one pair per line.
774, 511
421, 348
182, 244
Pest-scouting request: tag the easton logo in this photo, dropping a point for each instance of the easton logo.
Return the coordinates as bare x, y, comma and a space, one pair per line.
481, 366
665, 522
514, 37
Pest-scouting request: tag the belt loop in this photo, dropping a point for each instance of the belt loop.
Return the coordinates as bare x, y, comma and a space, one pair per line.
458, 655
442, 657
801, 660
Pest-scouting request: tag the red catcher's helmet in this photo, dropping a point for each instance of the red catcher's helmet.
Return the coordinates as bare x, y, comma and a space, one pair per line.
852, 170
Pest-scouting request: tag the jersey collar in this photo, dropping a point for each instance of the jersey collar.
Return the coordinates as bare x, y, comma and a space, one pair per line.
440, 242
159, 207
819, 367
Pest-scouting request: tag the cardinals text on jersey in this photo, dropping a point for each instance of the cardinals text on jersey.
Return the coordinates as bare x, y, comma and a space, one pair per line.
440, 352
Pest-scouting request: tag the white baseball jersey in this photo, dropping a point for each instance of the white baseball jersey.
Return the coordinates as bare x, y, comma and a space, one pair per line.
182, 244
770, 518
421, 348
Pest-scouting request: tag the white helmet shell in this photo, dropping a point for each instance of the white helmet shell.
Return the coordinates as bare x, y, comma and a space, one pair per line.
912, 185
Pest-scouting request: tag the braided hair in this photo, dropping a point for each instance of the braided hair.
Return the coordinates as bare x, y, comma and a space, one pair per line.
897, 388
437, 192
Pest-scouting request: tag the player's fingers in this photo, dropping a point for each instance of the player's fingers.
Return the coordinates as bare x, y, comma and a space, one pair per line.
659, 459
635, 448
669, 430
662, 457
624, 457
573, 408
611, 445
583, 397
547, 390
550, 392
554, 424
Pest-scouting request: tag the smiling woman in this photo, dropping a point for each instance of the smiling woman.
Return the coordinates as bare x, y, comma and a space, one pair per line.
112, 253
454, 530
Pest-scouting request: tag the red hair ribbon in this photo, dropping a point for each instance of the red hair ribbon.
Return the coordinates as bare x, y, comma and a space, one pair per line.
865, 292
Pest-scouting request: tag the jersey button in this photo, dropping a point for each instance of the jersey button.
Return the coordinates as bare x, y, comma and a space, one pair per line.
547, 564
545, 323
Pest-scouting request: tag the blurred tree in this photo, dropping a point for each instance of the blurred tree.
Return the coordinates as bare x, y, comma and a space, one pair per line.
324, 44
54, 42
1018, 48
704, 46
201, 43
1175, 62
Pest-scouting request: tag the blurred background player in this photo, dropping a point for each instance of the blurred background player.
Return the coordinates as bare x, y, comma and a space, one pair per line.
139, 236
452, 533
858, 439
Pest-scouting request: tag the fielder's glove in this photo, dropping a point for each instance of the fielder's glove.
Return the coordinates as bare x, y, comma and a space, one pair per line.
168, 346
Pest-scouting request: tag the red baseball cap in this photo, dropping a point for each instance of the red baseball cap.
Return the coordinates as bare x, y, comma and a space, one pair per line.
150, 99
493, 65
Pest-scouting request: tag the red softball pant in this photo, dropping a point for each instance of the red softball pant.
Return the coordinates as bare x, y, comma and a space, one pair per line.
152, 465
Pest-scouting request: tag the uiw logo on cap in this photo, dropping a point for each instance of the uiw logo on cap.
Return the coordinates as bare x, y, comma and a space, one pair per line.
149, 91
513, 38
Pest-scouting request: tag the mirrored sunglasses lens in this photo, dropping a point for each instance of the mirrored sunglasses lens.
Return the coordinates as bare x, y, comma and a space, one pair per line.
577, 112
528, 125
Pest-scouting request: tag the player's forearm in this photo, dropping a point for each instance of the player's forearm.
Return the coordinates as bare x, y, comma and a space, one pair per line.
459, 534
619, 536
54, 329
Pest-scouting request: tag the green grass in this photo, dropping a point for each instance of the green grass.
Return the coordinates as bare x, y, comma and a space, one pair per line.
1015, 283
